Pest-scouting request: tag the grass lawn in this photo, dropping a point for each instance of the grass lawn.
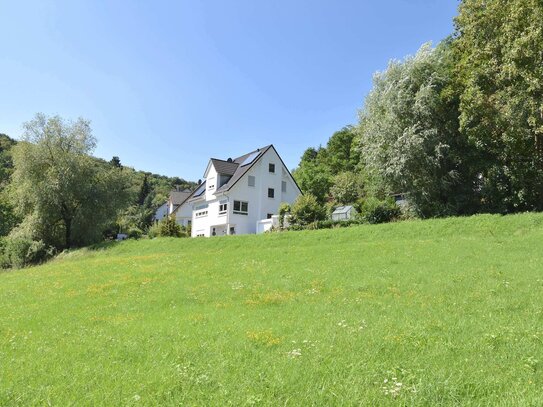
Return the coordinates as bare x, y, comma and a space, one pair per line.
439, 312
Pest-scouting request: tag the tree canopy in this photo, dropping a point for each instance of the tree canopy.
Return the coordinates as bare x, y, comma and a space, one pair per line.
64, 196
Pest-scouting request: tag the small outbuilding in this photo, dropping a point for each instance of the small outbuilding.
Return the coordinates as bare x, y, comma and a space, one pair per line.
344, 213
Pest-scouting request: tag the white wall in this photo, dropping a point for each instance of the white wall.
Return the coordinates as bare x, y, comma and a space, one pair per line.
257, 197
161, 212
259, 203
183, 215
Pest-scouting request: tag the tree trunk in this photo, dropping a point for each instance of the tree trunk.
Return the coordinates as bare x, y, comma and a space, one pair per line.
68, 231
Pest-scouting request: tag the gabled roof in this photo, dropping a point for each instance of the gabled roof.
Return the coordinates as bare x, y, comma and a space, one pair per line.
179, 197
237, 168
343, 209
198, 192
224, 167
242, 169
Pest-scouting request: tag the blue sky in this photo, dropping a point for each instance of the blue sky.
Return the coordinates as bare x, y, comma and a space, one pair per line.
168, 84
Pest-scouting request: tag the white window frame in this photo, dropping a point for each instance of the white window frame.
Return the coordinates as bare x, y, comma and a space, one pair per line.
223, 207
284, 186
201, 214
249, 181
273, 193
269, 168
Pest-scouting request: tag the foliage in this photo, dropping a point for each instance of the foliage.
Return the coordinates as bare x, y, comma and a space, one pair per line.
284, 210
409, 137
499, 70
306, 210
318, 167
66, 198
313, 179
168, 227
373, 210
135, 217
8, 219
116, 162
154, 230
18, 252
347, 187
145, 191
341, 153
406, 302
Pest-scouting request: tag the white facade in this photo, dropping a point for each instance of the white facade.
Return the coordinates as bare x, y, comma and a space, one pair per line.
179, 207
251, 193
183, 214
161, 212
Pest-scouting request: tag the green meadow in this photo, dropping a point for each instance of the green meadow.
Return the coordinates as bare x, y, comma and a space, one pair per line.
438, 312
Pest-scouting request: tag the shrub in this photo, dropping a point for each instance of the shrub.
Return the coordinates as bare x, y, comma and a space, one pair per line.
154, 231
18, 252
284, 209
373, 210
134, 233
306, 210
168, 227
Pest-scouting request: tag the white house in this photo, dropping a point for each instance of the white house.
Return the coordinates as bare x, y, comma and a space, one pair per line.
161, 212
344, 213
179, 206
237, 193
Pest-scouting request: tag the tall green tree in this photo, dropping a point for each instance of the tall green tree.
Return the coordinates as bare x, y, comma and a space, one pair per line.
7, 216
65, 196
347, 187
499, 68
342, 154
313, 178
409, 137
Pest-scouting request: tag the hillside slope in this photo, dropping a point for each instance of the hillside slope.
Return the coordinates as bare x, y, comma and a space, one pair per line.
418, 313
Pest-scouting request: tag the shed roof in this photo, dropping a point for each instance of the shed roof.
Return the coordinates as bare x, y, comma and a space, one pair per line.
343, 209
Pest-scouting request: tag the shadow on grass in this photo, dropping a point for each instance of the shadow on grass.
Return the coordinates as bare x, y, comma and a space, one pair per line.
106, 244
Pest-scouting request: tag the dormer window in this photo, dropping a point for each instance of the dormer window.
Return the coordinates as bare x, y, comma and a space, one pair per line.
271, 167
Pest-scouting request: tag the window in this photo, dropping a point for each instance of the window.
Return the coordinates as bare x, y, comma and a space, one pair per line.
271, 193
241, 207
271, 167
200, 214
211, 184
232, 230
283, 186
269, 215
223, 207
251, 180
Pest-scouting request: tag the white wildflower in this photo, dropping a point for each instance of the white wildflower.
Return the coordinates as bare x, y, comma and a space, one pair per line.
295, 353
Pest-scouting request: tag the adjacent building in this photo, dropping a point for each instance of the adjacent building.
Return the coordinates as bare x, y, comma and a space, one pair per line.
179, 207
238, 193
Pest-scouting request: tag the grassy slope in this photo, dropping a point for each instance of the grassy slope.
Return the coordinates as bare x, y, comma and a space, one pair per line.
450, 308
